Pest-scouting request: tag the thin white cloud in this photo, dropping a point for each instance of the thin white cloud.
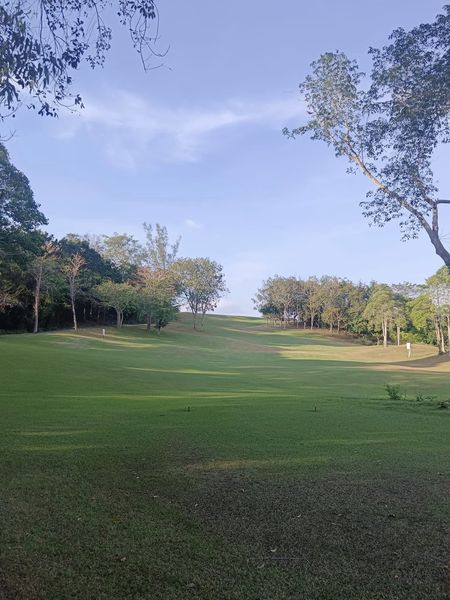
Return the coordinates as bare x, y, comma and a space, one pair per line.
191, 224
134, 130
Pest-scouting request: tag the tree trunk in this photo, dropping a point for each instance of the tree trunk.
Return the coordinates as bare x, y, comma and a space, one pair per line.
385, 331
398, 335
442, 340
439, 247
338, 327
74, 314
149, 322
119, 318
37, 299
312, 320
438, 332
448, 333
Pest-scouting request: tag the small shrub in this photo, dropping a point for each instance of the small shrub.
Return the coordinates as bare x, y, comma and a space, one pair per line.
393, 392
422, 398
443, 404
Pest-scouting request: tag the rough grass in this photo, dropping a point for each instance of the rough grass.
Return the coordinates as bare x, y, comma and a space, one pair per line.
234, 463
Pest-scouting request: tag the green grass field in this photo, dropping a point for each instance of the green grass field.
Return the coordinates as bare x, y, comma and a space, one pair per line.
236, 463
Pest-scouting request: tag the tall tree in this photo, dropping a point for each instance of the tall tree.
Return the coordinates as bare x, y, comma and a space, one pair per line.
41, 268
379, 311
72, 270
96, 269
400, 315
334, 301
439, 292
313, 299
43, 41
201, 284
280, 298
119, 296
20, 219
124, 252
156, 296
159, 253
357, 298
390, 131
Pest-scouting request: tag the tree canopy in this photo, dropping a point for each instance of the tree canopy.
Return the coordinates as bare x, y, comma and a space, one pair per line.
43, 41
201, 284
390, 129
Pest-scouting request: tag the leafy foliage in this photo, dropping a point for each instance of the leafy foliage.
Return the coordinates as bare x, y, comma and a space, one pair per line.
119, 296
43, 41
158, 252
201, 284
390, 130
393, 392
156, 296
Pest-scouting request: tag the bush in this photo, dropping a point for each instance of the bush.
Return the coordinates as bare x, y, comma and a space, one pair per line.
393, 392
443, 404
421, 398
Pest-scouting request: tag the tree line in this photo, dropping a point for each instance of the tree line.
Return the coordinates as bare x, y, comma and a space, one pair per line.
49, 283
378, 312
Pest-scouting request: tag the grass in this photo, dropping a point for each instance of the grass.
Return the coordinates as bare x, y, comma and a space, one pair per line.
235, 463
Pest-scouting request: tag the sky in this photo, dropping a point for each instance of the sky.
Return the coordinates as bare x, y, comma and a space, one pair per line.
196, 145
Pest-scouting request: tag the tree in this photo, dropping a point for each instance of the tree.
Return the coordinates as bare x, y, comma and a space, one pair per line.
313, 299
400, 315
72, 270
41, 267
390, 132
158, 252
201, 284
19, 213
43, 41
96, 270
156, 296
439, 292
123, 251
281, 298
421, 312
20, 219
379, 311
358, 296
119, 296
334, 301
20, 238
8, 298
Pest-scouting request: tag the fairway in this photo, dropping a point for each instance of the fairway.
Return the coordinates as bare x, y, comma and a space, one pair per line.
241, 462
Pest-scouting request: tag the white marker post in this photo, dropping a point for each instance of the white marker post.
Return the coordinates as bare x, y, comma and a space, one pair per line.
103, 332
408, 349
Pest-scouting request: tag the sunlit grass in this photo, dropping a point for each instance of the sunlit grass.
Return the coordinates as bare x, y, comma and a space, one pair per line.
165, 467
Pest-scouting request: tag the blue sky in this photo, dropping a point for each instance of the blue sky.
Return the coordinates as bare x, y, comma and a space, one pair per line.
196, 145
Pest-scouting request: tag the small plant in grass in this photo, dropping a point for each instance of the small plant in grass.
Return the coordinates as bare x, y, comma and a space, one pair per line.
394, 393
443, 404
422, 398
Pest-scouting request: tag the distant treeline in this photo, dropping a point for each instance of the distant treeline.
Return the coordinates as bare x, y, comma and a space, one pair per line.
49, 283
377, 312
